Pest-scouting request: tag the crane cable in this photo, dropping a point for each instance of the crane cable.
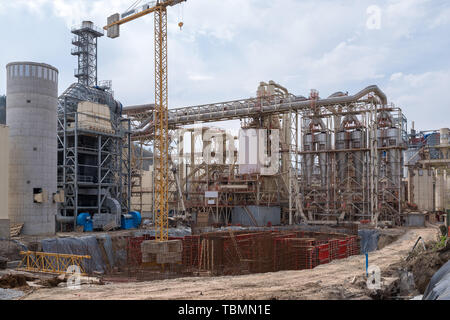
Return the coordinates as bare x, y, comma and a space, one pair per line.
180, 15
133, 5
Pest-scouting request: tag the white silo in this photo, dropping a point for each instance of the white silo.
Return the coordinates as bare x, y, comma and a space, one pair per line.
4, 169
31, 108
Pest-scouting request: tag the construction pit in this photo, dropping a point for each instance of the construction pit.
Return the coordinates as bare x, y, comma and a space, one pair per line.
235, 263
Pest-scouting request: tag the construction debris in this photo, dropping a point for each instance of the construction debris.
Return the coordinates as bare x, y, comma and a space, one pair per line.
16, 229
11, 281
425, 263
3, 263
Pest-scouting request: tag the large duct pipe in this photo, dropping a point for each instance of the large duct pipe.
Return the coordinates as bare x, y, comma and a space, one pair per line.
114, 208
248, 108
341, 157
139, 108
143, 127
308, 159
216, 112
276, 85
323, 144
357, 142
65, 220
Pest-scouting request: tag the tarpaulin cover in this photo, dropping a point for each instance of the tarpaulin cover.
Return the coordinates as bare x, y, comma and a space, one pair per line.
105, 241
369, 240
77, 246
439, 286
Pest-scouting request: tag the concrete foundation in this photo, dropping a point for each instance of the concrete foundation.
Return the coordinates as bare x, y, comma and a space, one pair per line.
162, 252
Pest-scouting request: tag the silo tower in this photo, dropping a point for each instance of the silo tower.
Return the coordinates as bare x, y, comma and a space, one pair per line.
32, 92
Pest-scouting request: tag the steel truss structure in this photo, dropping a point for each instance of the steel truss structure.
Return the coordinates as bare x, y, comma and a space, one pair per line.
161, 139
340, 158
352, 160
93, 165
54, 263
85, 43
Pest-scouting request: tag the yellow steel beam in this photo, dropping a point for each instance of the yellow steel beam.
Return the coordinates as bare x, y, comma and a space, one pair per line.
162, 5
55, 263
130, 18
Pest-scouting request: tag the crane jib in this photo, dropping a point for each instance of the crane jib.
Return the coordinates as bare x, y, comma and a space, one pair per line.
142, 11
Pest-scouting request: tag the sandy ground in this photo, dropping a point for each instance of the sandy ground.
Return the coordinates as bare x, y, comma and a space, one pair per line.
329, 281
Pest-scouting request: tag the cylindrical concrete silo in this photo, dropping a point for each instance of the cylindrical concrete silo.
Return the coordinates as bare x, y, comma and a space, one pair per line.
4, 178
31, 109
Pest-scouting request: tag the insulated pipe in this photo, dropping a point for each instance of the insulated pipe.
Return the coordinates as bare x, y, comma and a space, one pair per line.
248, 108
355, 142
317, 121
62, 219
141, 107
143, 127
276, 85
217, 112
349, 118
337, 94
385, 115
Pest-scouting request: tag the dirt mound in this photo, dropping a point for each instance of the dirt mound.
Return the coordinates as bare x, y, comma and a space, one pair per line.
387, 239
11, 281
52, 282
426, 263
10, 250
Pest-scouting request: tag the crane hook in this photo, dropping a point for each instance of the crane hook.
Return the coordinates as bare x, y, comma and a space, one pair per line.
181, 24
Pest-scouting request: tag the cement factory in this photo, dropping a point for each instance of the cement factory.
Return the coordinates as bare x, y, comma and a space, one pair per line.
149, 192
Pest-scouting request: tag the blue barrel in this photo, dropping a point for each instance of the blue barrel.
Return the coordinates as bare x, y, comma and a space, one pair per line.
137, 218
84, 219
88, 226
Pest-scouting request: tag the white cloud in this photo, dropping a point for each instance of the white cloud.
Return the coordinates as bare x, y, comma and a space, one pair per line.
227, 47
422, 97
402, 16
200, 77
396, 76
442, 19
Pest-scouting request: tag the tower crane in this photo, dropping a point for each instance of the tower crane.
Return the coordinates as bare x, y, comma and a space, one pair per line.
160, 119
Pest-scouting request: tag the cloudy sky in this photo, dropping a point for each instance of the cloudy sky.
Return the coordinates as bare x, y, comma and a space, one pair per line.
227, 47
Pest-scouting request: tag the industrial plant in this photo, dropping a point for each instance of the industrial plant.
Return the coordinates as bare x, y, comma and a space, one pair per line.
147, 192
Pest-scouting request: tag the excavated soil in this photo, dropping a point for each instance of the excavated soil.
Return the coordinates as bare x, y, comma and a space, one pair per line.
424, 264
12, 281
340, 279
389, 235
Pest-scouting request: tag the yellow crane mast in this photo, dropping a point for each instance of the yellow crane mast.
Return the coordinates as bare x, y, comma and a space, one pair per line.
161, 130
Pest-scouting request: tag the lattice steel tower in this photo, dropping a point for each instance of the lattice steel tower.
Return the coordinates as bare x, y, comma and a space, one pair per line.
85, 44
